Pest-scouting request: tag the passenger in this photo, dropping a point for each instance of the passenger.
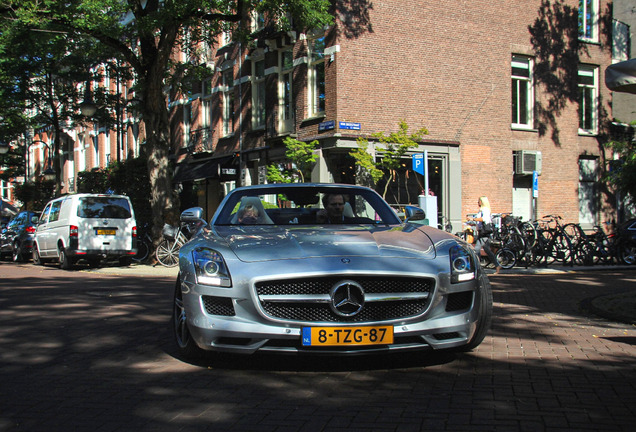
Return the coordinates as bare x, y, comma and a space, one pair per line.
248, 215
484, 222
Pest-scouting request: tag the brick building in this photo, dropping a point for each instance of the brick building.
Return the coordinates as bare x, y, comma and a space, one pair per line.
503, 91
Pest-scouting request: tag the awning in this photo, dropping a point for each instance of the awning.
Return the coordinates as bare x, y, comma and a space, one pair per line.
621, 77
224, 169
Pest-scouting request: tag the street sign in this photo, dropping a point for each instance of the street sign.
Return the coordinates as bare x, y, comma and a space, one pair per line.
535, 184
349, 125
327, 125
418, 163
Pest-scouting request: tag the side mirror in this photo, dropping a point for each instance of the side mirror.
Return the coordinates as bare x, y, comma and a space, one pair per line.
194, 214
415, 214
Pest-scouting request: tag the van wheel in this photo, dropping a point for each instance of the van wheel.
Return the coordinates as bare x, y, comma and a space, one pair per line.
36, 256
65, 262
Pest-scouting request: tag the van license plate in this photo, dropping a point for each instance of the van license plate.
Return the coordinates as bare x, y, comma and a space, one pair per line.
101, 231
330, 336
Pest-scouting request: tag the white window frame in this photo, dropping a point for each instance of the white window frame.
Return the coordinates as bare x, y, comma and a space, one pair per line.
259, 96
522, 84
227, 87
258, 21
591, 8
206, 104
285, 90
588, 99
316, 61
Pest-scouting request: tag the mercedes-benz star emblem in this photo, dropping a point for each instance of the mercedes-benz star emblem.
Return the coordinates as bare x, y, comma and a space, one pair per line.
347, 298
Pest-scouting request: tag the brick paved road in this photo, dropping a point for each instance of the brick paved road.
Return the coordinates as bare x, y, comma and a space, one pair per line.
89, 351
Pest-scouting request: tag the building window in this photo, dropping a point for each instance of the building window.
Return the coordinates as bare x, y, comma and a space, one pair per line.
258, 21
258, 93
206, 104
588, 91
228, 101
285, 80
522, 93
316, 78
588, 20
620, 41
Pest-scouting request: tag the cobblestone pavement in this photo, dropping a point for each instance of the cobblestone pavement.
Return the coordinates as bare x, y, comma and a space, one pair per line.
91, 351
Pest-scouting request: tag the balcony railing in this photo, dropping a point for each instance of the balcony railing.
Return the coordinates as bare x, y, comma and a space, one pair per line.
200, 140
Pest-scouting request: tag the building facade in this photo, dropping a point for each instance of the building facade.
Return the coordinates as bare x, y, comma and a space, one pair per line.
504, 92
512, 97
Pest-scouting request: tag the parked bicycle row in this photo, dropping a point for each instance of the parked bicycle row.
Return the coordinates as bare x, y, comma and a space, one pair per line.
549, 240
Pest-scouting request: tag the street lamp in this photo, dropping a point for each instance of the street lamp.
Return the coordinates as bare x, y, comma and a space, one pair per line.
88, 107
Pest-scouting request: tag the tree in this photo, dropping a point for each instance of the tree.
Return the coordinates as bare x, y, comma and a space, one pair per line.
302, 158
622, 172
144, 34
393, 148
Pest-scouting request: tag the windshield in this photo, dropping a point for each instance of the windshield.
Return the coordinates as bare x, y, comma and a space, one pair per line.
304, 205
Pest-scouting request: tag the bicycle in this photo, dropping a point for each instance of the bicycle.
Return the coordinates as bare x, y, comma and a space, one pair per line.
167, 252
553, 243
144, 245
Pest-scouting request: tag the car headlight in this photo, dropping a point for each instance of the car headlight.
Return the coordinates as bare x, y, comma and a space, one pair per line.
462, 263
210, 268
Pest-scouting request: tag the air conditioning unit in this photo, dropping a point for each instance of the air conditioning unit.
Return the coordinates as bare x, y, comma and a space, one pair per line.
527, 161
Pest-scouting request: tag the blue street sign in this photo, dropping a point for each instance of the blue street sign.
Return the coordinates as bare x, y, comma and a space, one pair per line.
349, 125
535, 184
418, 163
327, 125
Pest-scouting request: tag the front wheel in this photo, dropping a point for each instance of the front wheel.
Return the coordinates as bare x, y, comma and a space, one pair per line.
485, 316
507, 258
187, 347
168, 253
36, 256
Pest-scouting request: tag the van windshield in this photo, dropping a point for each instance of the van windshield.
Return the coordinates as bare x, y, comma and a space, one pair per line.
104, 207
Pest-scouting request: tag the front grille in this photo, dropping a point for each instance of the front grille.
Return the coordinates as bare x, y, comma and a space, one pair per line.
386, 298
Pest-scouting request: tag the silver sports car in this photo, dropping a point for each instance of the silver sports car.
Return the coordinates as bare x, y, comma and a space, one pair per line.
324, 268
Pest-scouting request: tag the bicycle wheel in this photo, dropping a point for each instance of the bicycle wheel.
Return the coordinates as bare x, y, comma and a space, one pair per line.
143, 250
561, 248
167, 253
507, 258
529, 233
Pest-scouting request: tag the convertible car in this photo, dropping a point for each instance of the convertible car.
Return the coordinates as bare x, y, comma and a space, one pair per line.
324, 269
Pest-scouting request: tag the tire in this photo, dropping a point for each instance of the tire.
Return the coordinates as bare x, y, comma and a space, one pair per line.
17, 255
167, 253
36, 256
143, 250
506, 258
529, 233
66, 263
186, 345
627, 254
485, 316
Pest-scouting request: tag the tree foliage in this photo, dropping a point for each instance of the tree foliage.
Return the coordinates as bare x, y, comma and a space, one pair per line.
143, 35
391, 149
301, 158
622, 172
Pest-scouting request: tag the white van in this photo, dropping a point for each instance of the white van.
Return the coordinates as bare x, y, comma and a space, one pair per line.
86, 226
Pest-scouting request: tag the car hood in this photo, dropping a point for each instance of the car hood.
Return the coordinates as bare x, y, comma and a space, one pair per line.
267, 243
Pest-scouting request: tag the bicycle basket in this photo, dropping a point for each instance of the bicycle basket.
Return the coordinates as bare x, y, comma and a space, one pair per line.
510, 221
169, 232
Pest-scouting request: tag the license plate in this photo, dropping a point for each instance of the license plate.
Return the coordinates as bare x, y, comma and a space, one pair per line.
330, 336
101, 231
